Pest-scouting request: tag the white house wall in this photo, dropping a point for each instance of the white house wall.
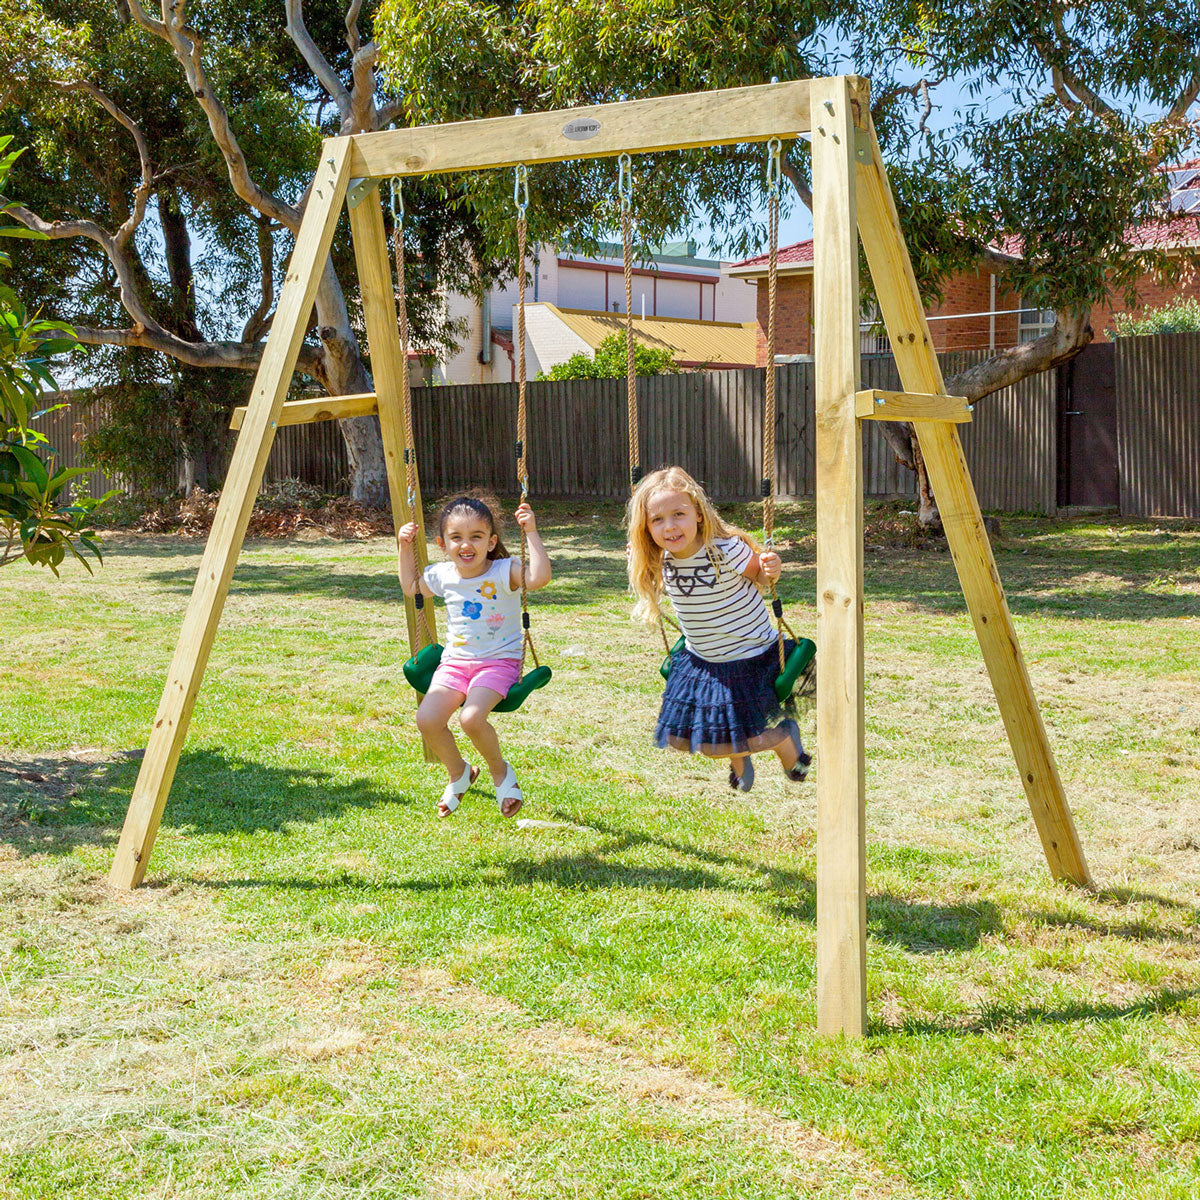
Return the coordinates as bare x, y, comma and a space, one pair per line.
721, 298
547, 340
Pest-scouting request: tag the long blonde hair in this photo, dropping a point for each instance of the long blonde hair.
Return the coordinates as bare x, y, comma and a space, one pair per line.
645, 564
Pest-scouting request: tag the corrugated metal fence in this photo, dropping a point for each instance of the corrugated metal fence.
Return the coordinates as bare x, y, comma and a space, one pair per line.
1158, 424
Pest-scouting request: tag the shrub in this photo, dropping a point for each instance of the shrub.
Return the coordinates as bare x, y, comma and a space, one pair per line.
609, 361
1183, 316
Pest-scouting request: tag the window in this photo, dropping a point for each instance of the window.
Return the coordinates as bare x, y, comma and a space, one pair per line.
872, 336
1034, 322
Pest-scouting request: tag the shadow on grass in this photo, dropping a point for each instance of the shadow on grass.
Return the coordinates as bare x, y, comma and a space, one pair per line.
918, 927
581, 582
49, 804
999, 1017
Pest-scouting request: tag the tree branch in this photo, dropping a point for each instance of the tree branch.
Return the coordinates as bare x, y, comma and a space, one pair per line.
266, 257
353, 40
146, 184
393, 110
363, 111
131, 299
1070, 334
187, 47
794, 177
243, 356
1186, 97
1060, 90
317, 62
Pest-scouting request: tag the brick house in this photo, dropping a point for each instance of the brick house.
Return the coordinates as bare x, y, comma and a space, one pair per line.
977, 312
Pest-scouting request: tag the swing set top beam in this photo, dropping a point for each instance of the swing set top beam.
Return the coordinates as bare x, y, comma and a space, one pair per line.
698, 119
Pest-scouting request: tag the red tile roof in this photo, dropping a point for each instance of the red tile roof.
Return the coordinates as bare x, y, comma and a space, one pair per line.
1179, 229
798, 255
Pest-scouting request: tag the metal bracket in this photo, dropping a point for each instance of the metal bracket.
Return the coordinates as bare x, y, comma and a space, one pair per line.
359, 190
862, 145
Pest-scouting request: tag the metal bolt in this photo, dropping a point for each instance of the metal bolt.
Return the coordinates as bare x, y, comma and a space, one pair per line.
880, 400
821, 130
829, 105
970, 408
774, 78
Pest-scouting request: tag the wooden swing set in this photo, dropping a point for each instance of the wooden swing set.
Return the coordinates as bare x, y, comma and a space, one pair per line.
851, 200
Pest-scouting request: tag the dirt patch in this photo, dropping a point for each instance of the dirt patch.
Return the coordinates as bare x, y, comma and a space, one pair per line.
35, 785
283, 510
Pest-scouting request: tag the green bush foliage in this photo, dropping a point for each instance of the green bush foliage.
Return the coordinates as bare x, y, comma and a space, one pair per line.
609, 361
1182, 316
35, 523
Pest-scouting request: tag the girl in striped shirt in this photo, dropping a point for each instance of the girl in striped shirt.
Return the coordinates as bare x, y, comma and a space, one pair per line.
720, 696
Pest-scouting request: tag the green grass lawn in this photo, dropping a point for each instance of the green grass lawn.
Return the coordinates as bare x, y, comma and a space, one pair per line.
323, 991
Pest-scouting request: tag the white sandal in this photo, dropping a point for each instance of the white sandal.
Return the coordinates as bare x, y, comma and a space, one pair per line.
508, 789
456, 789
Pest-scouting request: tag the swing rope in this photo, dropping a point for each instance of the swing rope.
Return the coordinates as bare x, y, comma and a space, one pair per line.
521, 202
411, 478
625, 197
774, 179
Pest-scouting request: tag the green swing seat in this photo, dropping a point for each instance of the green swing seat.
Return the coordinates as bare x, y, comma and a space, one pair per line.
797, 662
420, 668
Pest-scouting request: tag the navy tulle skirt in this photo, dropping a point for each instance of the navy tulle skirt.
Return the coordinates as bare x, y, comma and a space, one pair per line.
719, 708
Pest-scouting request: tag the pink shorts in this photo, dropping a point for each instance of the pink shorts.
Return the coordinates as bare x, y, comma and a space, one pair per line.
462, 674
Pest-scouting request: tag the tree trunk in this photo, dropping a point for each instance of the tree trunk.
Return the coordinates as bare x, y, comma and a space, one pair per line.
1071, 333
344, 373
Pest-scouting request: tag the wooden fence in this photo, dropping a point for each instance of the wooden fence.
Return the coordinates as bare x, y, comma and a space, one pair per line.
65, 428
1158, 424
708, 422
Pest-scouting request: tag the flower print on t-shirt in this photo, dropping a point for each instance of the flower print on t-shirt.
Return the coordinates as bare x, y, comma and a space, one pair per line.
488, 590
472, 610
496, 620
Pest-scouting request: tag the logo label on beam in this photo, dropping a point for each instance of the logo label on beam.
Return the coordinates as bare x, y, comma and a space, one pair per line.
581, 129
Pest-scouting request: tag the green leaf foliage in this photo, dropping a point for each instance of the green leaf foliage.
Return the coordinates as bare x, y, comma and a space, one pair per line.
998, 161
1181, 317
609, 361
34, 525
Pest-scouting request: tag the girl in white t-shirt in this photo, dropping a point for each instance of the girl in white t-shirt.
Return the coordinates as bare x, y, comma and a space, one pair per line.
481, 586
720, 696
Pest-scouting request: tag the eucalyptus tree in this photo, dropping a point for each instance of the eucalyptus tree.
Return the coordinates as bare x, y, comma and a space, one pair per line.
172, 152
1065, 113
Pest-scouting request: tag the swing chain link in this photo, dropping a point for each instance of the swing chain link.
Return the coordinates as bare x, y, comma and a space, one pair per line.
397, 202
625, 182
521, 188
774, 167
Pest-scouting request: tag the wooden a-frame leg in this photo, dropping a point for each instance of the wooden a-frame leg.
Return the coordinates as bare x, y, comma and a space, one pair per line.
841, 787
233, 514
904, 317
383, 339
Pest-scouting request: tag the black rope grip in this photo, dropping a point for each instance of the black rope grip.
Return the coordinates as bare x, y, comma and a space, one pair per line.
636, 475
520, 448
525, 620
408, 454
765, 487
419, 600
777, 607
